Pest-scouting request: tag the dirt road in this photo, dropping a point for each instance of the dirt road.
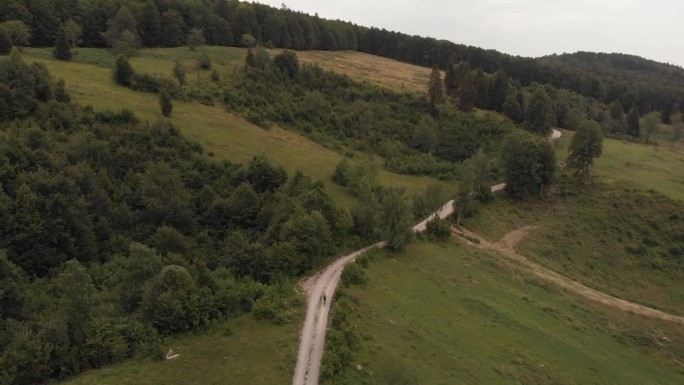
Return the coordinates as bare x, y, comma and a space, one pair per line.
323, 284
506, 246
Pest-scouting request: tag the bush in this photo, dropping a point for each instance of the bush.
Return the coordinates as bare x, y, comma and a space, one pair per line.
204, 62
439, 229
276, 304
123, 72
151, 83
353, 275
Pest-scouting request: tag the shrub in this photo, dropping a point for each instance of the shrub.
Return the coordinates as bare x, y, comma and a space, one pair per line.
439, 229
353, 275
123, 72
204, 62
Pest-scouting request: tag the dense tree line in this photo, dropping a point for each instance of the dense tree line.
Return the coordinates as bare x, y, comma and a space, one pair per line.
128, 24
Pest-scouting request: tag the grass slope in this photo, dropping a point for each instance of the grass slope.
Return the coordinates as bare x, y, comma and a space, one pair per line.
450, 314
252, 352
656, 167
228, 136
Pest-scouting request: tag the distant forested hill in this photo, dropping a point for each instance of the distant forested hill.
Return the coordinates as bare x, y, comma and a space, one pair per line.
633, 82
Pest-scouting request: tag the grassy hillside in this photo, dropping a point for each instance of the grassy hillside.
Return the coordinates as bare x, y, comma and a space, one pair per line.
656, 167
240, 351
228, 136
452, 315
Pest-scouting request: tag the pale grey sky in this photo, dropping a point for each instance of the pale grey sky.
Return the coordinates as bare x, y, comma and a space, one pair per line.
653, 29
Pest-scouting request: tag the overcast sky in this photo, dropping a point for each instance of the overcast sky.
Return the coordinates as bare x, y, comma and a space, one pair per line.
653, 29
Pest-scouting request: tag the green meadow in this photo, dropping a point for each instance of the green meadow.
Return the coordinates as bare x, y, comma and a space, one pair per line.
451, 314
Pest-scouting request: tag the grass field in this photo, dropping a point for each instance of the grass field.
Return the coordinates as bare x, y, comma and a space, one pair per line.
378, 70
449, 314
656, 167
226, 135
252, 352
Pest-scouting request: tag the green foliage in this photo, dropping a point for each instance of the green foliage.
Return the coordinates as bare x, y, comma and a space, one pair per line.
529, 164
511, 107
287, 63
649, 125
204, 62
439, 229
539, 113
17, 31
341, 339
435, 87
5, 43
633, 122
123, 72
180, 73
62, 49
195, 38
395, 218
22, 87
277, 304
165, 102
122, 33
173, 26
150, 27
353, 274
586, 145
341, 175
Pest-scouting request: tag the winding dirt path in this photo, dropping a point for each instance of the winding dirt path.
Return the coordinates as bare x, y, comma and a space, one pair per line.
506, 246
323, 285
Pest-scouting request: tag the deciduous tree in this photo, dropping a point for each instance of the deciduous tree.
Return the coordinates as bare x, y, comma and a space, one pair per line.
195, 38
586, 145
395, 217
165, 102
650, 124
529, 163
539, 113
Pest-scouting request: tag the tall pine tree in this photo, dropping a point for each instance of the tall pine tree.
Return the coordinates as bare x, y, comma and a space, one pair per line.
149, 27
62, 50
435, 87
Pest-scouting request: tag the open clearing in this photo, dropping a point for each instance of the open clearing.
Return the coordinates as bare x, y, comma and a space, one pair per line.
252, 352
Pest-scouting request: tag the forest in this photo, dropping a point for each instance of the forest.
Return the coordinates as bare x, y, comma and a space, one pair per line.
632, 82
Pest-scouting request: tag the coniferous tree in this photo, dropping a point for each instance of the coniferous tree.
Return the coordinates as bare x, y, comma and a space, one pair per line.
149, 28
466, 88
512, 108
62, 50
451, 80
60, 92
180, 73
435, 87
481, 89
633, 122
165, 102
499, 91
123, 72
539, 112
